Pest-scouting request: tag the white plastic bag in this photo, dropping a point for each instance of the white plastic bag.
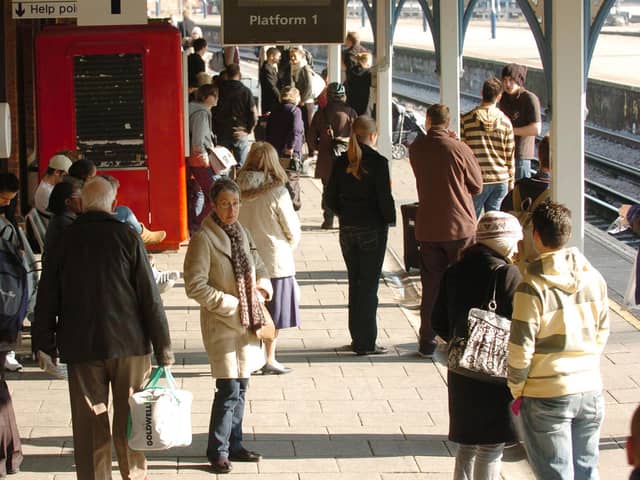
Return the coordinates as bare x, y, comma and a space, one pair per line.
221, 160
160, 417
317, 83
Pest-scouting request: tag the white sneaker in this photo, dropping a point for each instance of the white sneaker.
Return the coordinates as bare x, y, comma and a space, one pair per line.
165, 279
10, 362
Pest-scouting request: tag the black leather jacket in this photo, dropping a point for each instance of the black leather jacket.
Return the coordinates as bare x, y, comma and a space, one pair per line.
97, 297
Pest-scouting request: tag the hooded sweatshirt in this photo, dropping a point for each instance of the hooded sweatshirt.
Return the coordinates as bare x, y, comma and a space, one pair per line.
559, 327
200, 131
489, 133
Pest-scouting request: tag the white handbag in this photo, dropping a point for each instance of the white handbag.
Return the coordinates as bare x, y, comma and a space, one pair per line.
160, 417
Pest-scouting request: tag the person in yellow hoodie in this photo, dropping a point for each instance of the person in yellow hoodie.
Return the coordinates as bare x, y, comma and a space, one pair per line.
559, 328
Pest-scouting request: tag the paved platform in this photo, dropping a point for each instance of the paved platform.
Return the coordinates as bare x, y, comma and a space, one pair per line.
337, 416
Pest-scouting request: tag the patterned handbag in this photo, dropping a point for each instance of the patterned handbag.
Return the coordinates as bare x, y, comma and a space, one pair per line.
483, 355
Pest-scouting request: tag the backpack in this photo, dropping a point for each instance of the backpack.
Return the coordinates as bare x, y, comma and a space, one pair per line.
14, 291
522, 211
217, 61
339, 145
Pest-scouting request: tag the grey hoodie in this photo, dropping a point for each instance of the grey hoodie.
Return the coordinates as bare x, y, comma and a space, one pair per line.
200, 126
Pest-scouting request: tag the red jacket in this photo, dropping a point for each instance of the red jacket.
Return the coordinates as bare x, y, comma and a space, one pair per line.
447, 176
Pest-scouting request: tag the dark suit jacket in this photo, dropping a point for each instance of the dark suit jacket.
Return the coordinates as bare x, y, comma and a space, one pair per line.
269, 88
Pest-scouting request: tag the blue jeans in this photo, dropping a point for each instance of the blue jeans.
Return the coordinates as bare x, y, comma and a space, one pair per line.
481, 462
225, 426
363, 250
125, 215
238, 146
561, 435
523, 168
490, 198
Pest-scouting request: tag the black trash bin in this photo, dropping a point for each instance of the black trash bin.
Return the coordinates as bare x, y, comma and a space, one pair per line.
411, 249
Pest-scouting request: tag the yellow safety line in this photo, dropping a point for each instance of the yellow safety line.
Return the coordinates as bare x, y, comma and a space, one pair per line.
628, 317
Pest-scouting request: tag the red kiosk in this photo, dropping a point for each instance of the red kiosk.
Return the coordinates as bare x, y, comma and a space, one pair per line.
115, 94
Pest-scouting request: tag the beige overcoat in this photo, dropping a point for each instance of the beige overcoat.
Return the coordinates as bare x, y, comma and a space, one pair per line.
233, 350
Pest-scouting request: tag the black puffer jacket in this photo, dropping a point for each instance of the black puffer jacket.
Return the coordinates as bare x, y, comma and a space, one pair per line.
97, 297
478, 411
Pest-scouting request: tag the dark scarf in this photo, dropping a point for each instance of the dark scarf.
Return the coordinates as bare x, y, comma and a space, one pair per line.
251, 315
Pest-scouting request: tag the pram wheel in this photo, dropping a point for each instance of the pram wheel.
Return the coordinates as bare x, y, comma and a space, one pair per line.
399, 151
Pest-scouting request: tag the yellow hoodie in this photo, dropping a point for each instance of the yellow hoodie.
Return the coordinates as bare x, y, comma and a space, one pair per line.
559, 327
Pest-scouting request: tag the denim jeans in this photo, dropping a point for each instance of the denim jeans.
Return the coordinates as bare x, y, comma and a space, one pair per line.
523, 168
125, 215
478, 462
490, 198
225, 426
238, 146
561, 435
363, 250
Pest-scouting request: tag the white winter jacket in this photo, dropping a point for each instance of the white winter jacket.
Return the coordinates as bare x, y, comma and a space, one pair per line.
267, 212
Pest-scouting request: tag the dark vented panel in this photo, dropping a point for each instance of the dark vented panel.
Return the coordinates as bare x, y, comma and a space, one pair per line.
109, 109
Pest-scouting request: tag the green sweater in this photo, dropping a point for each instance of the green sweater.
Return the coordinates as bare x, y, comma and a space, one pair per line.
559, 327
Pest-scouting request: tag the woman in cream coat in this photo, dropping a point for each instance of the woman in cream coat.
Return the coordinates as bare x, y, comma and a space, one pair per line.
268, 214
225, 275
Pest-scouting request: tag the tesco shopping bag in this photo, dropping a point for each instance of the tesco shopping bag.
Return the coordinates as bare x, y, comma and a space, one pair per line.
160, 417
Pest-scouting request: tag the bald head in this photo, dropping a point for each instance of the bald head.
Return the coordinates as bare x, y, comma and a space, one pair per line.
98, 195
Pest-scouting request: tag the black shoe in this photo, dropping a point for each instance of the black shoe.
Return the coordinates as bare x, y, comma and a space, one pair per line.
269, 369
327, 225
245, 455
221, 465
377, 350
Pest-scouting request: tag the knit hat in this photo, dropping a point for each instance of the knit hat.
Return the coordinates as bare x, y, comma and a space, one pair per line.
60, 162
497, 224
336, 92
499, 231
515, 71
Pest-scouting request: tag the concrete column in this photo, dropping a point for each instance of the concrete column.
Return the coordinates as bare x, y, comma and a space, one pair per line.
450, 60
384, 55
334, 65
568, 111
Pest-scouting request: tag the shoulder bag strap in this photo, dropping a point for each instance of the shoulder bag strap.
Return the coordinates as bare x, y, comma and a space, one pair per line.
492, 305
517, 199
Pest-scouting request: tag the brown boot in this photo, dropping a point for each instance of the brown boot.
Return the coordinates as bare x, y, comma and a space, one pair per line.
150, 236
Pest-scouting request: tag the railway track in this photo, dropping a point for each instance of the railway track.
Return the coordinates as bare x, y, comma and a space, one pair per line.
601, 200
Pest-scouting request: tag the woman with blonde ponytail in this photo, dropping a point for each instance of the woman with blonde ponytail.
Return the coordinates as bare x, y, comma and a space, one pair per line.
359, 192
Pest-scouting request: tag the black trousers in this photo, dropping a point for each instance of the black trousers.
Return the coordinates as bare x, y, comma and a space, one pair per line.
363, 250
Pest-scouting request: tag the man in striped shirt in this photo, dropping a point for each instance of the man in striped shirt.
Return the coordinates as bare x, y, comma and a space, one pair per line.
559, 328
489, 133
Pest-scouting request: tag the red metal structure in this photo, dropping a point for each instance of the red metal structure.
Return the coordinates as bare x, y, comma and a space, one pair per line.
115, 95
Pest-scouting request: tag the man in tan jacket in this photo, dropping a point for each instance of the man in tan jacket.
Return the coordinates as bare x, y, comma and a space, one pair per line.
447, 176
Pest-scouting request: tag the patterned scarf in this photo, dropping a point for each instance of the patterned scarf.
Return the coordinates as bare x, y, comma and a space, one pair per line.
251, 315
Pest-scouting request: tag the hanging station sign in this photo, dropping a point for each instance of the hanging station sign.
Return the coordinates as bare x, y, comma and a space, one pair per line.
264, 22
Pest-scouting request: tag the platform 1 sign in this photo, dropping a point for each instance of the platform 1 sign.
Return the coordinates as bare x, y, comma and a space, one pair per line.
264, 22
42, 9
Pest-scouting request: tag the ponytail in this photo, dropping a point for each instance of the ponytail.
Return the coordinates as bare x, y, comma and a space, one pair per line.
363, 126
354, 155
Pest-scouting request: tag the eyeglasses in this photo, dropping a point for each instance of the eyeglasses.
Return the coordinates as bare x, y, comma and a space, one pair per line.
228, 205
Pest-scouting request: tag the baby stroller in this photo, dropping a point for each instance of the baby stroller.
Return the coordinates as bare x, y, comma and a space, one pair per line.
406, 129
